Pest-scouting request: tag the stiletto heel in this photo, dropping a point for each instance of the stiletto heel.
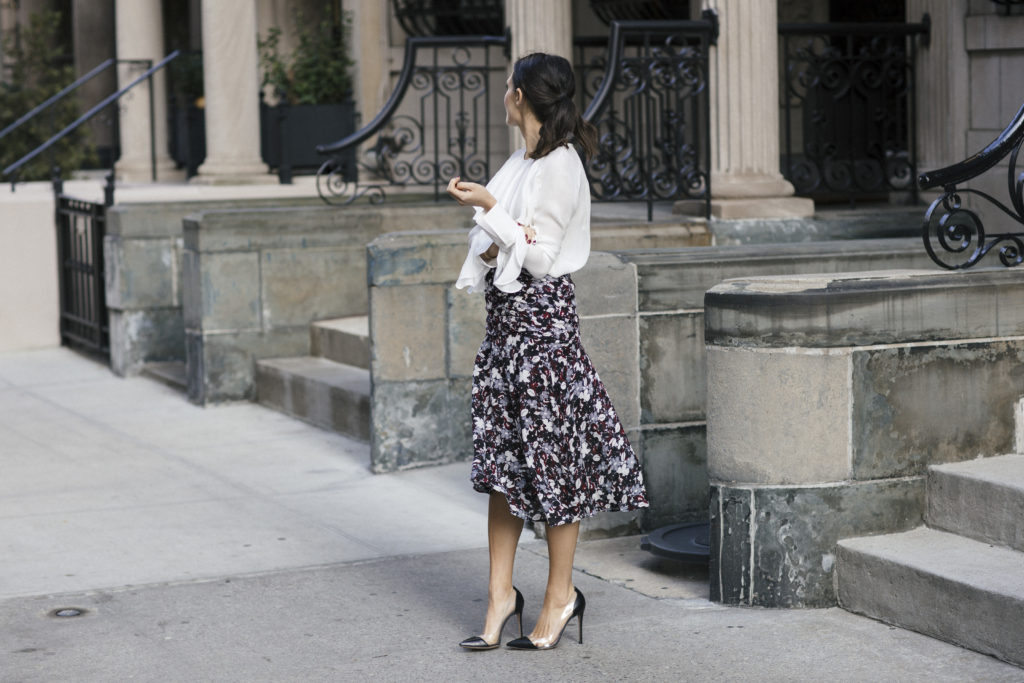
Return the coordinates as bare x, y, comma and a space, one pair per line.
479, 643
578, 606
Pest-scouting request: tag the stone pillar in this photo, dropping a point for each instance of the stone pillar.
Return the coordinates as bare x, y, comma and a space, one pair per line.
231, 86
140, 35
538, 27
745, 177
90, 19
371, 55
942, 85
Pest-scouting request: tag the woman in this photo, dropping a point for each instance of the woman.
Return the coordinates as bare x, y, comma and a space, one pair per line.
547, 443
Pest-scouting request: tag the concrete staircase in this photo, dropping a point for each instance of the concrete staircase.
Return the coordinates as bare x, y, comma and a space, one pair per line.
960, 578
331, 387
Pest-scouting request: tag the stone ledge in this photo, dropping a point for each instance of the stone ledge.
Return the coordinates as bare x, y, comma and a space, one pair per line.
860, 309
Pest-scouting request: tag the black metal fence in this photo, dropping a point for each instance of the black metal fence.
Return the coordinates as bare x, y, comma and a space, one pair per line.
436, 124
848, 109
651, 110
81, 226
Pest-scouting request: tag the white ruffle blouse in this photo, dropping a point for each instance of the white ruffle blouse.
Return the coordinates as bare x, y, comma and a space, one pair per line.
551, 195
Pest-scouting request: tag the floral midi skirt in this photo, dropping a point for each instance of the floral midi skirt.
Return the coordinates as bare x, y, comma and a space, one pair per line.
544, 432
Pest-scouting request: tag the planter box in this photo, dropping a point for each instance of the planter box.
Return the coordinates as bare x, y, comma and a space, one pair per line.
291, 133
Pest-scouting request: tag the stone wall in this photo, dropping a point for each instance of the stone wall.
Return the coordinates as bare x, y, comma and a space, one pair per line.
829, 396
642, 322
253, 281
142, 253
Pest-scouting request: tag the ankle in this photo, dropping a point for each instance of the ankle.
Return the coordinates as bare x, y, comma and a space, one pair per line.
557, 597
500, 594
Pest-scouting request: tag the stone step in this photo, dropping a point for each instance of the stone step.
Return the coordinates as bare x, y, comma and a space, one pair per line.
982, 499
343, 340
331, 395
171, 372
940, 584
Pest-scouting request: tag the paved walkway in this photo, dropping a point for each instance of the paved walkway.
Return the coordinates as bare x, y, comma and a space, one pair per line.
232, 543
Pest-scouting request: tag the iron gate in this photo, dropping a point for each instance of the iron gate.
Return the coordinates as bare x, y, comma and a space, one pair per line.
81, 226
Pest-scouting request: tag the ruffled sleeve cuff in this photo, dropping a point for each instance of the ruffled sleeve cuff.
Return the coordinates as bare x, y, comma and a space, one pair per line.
474, 269
511, 241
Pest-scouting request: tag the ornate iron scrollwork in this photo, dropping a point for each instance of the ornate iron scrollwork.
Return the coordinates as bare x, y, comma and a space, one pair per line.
958, 229
443, 128
450, 17
848, 108
651, 112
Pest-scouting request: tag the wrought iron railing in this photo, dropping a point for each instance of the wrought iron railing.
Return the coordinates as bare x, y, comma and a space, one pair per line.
435, 125
652, 114
1008, 5
450, 17
848, 108
147, 75
957, 228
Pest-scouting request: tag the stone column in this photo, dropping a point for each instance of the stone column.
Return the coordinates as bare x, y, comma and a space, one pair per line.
538, 27
90, 19
140, 35
371, 54
942, 85
745, 177
231, 87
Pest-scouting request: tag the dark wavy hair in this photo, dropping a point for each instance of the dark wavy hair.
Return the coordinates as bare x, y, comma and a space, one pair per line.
548, 83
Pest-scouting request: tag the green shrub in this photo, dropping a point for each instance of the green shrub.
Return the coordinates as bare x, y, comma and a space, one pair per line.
318, 69
39, 70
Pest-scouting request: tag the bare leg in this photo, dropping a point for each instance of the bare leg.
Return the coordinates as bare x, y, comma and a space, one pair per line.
560, 592
503, 531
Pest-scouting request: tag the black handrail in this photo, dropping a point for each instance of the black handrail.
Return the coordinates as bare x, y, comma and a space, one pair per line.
87, 116
977, 164
404, 79
959, 230
102, 66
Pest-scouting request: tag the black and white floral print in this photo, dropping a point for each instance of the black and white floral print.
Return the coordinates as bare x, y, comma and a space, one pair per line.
544, 432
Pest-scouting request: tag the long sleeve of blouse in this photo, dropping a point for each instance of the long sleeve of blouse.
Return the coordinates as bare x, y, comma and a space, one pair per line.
552, 196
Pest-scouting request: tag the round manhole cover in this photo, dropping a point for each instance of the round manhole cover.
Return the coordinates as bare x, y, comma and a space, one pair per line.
67, 612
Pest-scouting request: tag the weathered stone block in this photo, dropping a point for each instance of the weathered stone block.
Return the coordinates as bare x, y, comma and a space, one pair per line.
731, 511
302, 285
675, 468
141, 273
861, 309
408, 258
778, 416
673, 384
614, 348
467, 323
605, 286
138, 337
229, 285
676, 279
221, 367
419, 423
920, 405
191, 290
408, 332
790, 536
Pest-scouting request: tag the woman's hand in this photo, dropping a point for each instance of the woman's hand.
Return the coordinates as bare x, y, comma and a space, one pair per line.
471, 194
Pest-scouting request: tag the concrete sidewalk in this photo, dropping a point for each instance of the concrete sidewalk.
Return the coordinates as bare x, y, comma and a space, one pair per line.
233, 543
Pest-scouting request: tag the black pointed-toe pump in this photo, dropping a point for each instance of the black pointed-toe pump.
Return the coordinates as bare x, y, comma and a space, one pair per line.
573, 610
479, 643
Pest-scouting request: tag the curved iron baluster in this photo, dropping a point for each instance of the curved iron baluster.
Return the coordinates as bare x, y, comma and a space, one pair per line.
959, 230
651, 113
453, 97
